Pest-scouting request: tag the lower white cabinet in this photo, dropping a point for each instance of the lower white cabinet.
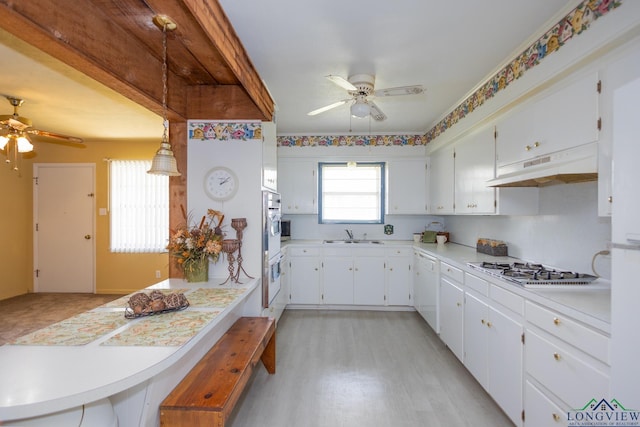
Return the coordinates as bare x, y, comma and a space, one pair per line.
540, 410
304, 275
493, 349
426, 288
566, 360
451, 309
398, 276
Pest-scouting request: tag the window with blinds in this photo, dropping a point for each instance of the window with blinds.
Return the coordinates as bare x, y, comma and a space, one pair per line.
351, 192
139, 207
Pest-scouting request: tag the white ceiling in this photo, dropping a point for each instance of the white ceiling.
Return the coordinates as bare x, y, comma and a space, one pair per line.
449, 47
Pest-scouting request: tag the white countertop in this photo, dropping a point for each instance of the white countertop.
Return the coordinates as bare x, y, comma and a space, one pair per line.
41, 379
590, 304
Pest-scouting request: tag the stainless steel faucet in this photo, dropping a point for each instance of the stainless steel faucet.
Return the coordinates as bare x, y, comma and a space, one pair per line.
349, 233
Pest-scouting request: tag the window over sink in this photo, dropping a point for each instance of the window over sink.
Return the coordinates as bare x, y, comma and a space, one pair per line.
351, 193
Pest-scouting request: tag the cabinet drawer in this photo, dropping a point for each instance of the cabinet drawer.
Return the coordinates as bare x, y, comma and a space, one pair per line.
540, 411
477, 284
341, 251
398, 251
508, 299
563, 372
451, 271
576, 334
299, 251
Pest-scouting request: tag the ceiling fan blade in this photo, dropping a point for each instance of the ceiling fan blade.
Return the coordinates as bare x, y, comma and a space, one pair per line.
342, 82
377, 113
328, 107
400, 90
55, 135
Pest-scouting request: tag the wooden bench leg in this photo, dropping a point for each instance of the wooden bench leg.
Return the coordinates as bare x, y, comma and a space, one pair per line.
269, 355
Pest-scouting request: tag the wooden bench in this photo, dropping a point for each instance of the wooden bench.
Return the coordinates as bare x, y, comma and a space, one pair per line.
207, 395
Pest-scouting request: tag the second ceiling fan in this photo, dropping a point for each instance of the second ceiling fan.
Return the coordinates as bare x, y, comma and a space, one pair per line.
361, 89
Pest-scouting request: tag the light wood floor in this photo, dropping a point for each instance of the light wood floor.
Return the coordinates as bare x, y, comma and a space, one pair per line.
362, 368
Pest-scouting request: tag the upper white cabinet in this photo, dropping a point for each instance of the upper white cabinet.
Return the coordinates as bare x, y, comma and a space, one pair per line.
297, 183
474, 165
407, 186
269, 156
441, 181
565, 116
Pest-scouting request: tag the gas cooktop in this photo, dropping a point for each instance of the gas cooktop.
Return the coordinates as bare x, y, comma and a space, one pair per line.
531, 274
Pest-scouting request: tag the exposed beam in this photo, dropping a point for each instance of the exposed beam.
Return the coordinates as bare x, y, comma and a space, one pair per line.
222, 103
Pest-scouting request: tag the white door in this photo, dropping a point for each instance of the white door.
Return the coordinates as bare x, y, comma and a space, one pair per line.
64, 248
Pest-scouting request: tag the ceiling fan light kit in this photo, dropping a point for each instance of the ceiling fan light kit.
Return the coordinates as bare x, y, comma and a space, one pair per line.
164, 162
361, 88
15, 130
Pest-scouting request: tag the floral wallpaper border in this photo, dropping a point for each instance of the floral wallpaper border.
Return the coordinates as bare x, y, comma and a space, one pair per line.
224, 131
573, 24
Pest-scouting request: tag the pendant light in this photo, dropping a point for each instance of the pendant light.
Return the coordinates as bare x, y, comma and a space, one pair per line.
164, 163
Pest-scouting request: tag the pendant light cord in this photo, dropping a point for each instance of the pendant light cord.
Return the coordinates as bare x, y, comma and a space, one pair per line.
165, 121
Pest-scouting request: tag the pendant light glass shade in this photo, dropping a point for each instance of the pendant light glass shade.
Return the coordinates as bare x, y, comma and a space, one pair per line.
164, 163
3, 142
24, 146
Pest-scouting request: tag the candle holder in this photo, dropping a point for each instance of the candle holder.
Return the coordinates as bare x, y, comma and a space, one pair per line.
239, 224
229, 246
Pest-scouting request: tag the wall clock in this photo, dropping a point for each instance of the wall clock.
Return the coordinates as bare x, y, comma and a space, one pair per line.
221, 183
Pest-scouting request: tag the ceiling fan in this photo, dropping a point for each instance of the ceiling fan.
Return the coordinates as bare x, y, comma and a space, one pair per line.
361, 89
15, 131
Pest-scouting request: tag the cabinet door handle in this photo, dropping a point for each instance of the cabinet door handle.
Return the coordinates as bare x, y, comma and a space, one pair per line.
556, 356
488, 324
458, 304
556, 321
482, 321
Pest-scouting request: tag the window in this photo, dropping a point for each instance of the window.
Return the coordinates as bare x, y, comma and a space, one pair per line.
139, 207
351, 192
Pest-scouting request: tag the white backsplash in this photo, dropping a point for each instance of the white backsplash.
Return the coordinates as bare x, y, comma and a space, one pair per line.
566, 233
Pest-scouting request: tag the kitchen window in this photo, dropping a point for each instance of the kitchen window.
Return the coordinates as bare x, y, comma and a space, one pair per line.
351, 193
138, 207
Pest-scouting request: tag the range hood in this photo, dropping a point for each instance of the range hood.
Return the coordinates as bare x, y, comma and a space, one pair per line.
578, 164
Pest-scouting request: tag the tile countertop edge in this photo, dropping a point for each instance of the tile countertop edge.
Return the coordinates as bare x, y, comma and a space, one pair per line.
589, 306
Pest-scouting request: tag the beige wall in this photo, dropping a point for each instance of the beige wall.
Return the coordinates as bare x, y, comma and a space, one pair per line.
115, 273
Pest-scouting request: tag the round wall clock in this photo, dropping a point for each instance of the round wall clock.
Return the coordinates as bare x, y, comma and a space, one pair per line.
221, 183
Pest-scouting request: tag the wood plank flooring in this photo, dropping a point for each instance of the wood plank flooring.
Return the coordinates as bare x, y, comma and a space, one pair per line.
363, 368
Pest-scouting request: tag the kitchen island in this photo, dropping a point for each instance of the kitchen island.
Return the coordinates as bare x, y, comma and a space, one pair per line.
99, 368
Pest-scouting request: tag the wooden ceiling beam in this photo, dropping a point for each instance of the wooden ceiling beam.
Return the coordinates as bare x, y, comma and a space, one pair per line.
116, 43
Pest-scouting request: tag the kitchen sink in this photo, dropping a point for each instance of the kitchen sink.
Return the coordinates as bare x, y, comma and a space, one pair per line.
361, 242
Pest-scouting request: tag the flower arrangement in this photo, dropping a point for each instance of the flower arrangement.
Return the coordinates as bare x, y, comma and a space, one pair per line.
192, 245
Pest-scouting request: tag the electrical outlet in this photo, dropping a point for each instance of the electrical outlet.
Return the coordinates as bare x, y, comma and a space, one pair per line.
158, 275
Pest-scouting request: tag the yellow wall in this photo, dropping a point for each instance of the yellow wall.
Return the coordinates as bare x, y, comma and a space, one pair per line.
115, 273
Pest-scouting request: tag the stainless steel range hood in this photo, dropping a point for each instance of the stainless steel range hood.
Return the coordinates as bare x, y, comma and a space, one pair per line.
578, 164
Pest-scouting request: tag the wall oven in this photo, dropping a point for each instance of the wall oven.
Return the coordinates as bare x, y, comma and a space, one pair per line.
271, 233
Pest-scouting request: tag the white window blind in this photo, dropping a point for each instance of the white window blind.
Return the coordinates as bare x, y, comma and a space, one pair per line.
139, 207
351, 193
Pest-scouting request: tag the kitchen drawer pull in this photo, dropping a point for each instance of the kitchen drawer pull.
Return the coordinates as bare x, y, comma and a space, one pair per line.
556, 417
556, 321
489, 324
482, 321
458, 304
556, 356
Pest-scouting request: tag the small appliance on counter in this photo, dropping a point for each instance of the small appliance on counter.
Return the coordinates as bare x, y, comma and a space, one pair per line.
285, 226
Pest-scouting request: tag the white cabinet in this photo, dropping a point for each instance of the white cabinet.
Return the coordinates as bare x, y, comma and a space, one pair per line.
614, 75
441, 181
426, 288
451, 308
398, 276
269, 156
474, 165
567, 360
564, 116
368, 280
304, 275
297, 184
353, 276
407, 187
541, 411
337, 277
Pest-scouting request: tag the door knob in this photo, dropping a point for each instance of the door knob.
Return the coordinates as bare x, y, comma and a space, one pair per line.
87, 236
